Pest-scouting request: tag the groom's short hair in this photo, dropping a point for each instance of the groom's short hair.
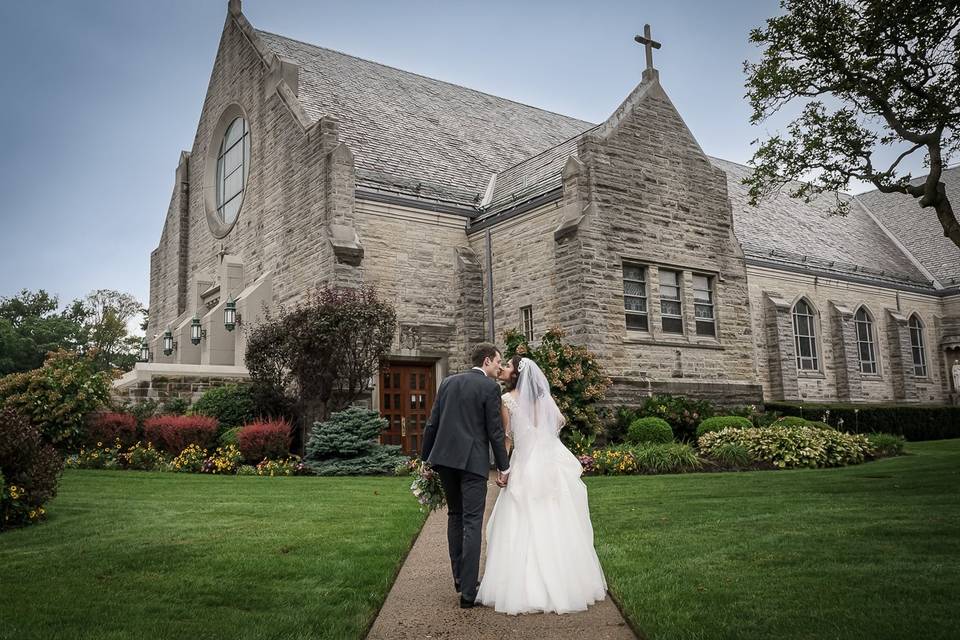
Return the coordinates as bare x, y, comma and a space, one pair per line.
483, 351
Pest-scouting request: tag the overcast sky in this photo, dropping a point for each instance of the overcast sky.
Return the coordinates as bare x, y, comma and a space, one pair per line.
99, 98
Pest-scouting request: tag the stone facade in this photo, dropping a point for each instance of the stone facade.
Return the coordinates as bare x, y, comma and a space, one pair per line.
552, 233
773, 295
639, 190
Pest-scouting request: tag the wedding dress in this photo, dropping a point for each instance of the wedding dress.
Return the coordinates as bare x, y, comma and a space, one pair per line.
540, 554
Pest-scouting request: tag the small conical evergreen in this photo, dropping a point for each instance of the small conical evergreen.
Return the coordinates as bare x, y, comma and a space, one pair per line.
346, 445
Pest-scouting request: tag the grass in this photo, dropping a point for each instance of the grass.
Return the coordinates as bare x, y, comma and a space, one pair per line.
159, 555
869, 551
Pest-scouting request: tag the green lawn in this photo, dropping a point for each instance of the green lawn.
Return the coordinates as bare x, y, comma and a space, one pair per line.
870, 551
159, 555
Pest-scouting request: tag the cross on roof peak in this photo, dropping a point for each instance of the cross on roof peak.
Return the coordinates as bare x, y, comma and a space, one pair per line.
649, 44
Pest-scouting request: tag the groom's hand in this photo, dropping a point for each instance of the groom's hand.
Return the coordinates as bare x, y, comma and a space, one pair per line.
501, 479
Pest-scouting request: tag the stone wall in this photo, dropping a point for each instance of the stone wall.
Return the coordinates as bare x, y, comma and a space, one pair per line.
839, 364
300, 182
419, 262
640, 190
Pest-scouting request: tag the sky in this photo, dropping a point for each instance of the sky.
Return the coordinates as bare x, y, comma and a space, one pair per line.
100, 97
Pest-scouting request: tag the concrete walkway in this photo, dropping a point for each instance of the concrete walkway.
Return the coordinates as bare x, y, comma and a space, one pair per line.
423, 604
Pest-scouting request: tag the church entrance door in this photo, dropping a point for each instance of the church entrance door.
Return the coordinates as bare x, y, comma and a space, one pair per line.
406, 398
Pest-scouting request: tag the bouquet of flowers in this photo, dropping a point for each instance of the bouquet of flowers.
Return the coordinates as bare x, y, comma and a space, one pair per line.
426, 486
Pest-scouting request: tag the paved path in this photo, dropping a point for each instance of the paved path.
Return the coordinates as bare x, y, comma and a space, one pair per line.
423, 604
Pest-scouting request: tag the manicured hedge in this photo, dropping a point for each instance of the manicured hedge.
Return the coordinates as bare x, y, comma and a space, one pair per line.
650, 429
911, 422
173, 434
263, 440
108, 427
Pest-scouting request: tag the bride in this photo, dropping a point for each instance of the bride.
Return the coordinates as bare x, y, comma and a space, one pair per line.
540, 554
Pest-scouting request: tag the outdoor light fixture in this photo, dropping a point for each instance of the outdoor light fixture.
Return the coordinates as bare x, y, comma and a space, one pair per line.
196, 332
144, 351
230, 316
168, 344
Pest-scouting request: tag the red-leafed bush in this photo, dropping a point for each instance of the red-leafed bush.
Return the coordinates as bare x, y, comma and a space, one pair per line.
261, 440
173, 434
108, 427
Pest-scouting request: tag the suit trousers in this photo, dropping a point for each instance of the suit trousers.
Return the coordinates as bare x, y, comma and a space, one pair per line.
466, 498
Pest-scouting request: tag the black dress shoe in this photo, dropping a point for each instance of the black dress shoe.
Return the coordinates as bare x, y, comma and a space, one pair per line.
467, 604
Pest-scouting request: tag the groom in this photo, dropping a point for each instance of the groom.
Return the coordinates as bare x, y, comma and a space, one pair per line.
464, 422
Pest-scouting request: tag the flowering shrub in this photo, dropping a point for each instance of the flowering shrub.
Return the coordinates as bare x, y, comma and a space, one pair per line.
190, 460
98, 456
58, 396
586, 461
31, 470
614, 461
145, 458
246, 470
581, 444
108, 427
174, 433
264, 440
719, 423
683, 414
787, 447
224, 460
649, 429
577, 380
291, 466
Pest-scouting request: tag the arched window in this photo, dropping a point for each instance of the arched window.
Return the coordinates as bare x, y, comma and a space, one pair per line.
233, 164
805, 336
917, 346
865, 346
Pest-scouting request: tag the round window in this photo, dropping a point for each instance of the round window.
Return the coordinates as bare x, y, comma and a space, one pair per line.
226, 170
233, 163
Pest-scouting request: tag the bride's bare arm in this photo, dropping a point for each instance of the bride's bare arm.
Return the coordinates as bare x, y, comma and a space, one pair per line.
507, 432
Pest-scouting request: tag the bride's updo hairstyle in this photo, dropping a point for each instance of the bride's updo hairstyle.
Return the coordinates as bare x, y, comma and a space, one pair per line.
515, 374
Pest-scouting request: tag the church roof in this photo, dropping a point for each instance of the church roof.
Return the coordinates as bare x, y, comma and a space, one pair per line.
429, 139
407, 130
789, 231
919, 230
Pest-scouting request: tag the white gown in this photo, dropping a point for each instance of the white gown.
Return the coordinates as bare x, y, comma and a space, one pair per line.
540, 554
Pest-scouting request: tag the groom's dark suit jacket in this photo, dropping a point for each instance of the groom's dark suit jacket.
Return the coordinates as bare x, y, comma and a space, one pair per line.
465, 420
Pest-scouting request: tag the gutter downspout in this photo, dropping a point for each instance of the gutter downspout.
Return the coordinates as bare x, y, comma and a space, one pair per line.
492, 333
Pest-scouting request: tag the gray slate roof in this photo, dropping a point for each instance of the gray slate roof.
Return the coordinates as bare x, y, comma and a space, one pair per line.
406, 129
431, 139
919, 230
532, 177
788, 230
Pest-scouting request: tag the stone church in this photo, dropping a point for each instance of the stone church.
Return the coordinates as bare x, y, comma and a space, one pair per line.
473, 214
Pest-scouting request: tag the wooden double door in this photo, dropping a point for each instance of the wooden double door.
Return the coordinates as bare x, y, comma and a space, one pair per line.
406, 399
